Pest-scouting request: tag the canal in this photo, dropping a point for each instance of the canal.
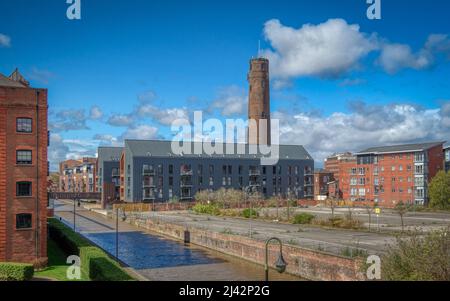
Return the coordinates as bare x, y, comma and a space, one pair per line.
160, 258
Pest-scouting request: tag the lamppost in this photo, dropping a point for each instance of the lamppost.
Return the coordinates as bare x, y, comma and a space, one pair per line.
248, 191
280, 264
75, 199
123, 217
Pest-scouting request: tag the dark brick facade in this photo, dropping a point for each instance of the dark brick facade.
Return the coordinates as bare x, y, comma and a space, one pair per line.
28, 244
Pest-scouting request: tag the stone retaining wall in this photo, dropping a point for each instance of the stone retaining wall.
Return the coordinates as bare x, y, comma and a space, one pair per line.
308, 264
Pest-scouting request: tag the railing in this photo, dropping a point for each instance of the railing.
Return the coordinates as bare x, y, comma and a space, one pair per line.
186, 184
186, 173
148, 184
148, 172
254, 172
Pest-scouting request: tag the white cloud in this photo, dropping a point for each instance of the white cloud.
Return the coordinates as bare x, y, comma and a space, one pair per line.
162, 116
365, 126
348, 82
68, 120
40, 75
140, 132
5, 41
95, 113
395, 57
121, 120
231, 101
327, 50
106, 139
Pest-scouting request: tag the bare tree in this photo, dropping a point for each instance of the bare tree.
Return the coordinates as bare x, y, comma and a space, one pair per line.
401, 210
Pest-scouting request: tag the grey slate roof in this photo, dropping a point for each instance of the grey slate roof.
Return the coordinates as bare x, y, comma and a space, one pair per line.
400, 148
158, 148
109, 153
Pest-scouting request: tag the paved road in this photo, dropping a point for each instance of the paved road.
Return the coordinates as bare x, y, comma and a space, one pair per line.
388, 220
159, 258
330, 240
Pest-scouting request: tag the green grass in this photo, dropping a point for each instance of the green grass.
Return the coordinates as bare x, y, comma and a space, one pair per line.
57, 267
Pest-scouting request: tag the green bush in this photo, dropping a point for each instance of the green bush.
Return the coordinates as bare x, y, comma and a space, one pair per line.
95, 263
249, 213
418, 257
210, 209
303, 218
16, 271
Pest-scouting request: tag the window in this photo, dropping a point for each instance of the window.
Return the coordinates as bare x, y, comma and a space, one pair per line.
23, 221
24, 125
171, 169
23, 189
23, 157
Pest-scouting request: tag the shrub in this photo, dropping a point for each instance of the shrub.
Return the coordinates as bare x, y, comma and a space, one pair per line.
95, 263
16, 271
419, 257
249, 213
303, 218
206, 209
439, 191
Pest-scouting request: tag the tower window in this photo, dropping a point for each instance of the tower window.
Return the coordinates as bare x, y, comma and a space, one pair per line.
23, 221
23, 189
24, 125
24, 157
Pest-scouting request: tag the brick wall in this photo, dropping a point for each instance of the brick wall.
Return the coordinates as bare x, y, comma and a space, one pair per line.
308, 264
28, 245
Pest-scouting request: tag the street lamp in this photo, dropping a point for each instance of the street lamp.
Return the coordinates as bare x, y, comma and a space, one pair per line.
123, 217
280, 264
75, 198
248, 192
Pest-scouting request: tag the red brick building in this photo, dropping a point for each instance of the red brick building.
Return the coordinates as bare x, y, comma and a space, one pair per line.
340, 165
392, 174
78, 175
23, 170
322, 178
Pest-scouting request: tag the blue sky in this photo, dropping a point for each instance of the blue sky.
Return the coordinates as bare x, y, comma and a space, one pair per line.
127, 67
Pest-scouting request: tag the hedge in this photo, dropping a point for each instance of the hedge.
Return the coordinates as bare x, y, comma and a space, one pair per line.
95, 263
16, 271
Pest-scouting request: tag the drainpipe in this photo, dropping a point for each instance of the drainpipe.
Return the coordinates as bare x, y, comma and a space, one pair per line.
37, 178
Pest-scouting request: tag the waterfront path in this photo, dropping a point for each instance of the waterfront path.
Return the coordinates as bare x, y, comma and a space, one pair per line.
155, 257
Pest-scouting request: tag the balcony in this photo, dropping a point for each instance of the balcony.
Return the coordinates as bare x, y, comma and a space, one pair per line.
115, 174
254, 172
148, 184
186, 172
148, 172
254, 184
186, 184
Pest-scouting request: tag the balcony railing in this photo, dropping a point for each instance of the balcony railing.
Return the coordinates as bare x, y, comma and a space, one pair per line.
148, 184
148, 172
186, 172
186, 184
254, 172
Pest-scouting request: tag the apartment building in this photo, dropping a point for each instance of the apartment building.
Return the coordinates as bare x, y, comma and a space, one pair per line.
150, 171
391, 174
23, 170
339, 165
108, 174
322, 180
78, 175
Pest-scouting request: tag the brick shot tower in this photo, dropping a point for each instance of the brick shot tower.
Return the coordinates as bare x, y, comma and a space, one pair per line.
259, 101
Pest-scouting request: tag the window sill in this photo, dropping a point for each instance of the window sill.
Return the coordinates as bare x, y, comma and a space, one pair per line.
24, 165
24, 197
24, 229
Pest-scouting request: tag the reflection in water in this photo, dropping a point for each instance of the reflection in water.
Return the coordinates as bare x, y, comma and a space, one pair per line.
143, 251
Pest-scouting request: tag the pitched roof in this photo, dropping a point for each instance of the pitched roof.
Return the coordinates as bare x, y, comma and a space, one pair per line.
109, 153
400, 148
7, 82
158, 148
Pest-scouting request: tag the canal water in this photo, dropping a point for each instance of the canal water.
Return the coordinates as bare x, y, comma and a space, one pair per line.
160, 258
